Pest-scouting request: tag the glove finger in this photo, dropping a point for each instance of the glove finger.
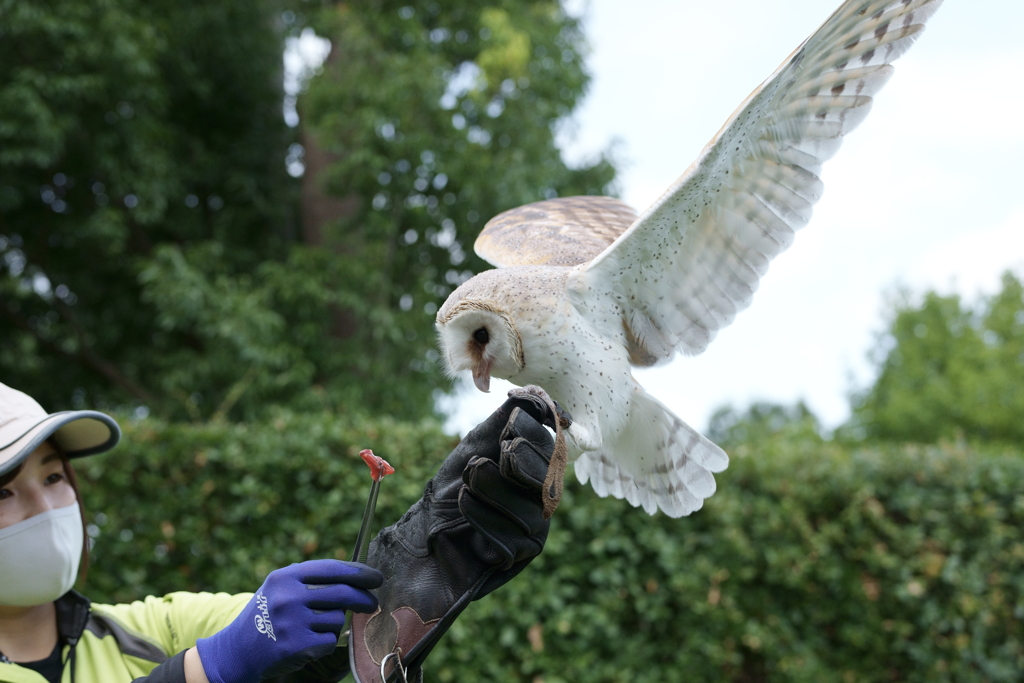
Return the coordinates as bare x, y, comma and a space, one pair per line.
335, 571
526, 449
481, 441
522, 463
521, 505
505, 534
339, 596
523, 423
329, 621
534, 405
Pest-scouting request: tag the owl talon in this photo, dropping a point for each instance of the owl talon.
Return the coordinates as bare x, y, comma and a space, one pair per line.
564, 418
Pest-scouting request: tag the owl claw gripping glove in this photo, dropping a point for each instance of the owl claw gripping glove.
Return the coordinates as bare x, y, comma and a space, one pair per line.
294, 618
480, 521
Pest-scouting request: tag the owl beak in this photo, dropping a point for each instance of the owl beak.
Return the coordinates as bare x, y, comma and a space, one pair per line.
482, 376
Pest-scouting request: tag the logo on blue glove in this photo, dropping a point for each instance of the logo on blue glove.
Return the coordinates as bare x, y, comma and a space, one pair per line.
263, 623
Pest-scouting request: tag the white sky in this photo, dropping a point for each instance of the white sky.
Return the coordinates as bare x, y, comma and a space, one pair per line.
926, 193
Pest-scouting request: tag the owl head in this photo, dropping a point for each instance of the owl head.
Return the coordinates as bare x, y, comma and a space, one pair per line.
477, 335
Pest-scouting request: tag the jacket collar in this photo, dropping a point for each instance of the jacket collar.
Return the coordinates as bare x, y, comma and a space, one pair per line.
72, 616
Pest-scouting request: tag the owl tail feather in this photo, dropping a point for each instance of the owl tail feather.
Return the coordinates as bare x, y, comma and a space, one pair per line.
656, 461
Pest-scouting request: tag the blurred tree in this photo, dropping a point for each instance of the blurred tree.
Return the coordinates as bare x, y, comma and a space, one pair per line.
150, 251
948, 371
138, 140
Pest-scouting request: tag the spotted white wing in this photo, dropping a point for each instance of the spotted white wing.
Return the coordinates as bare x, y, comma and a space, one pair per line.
695, 258
555, 232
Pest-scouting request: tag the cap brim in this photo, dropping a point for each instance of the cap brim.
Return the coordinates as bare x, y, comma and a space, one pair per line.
77, 432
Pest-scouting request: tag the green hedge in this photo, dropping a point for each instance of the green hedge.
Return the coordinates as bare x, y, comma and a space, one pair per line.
811, 563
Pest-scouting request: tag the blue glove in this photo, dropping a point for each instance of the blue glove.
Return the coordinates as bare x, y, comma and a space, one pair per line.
294, 618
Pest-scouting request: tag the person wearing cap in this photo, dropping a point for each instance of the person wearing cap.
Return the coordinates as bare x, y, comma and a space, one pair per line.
288, 630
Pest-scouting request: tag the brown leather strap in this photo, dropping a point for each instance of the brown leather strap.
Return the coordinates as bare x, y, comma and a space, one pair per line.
552, 493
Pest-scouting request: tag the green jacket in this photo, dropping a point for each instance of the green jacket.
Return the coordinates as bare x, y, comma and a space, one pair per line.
125, 643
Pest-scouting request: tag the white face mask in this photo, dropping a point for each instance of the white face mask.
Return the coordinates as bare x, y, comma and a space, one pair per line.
39, 557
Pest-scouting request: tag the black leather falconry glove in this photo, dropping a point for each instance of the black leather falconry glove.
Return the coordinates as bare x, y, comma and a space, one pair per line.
480, 521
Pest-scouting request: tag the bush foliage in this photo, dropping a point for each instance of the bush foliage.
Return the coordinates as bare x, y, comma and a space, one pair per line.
811, 563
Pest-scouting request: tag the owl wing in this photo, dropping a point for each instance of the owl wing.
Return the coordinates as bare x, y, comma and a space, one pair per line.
555, 232
694, 258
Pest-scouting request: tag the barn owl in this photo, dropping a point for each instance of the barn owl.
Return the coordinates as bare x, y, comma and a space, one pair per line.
585, 289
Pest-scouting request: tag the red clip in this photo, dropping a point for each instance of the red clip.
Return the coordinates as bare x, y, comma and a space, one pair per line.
379, 467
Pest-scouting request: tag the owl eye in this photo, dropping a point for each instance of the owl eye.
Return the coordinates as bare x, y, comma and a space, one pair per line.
482, 336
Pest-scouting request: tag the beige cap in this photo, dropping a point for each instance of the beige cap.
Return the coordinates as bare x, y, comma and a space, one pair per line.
24, 425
